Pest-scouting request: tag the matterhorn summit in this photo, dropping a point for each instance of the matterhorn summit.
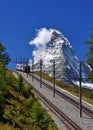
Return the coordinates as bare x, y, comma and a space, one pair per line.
51, 44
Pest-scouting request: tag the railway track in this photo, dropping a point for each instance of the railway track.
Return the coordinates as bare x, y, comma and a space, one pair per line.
72, 101
63, 120
69, 124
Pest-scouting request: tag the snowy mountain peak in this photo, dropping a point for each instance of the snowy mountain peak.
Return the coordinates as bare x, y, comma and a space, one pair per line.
55, 35
51, 44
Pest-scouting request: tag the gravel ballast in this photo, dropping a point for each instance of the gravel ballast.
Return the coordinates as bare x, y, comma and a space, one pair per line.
85, 122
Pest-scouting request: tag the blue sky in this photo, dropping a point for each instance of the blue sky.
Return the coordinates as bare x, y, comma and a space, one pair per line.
19, 20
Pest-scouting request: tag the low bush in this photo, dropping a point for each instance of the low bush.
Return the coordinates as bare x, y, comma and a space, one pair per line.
26, 91
2, 103
21, 119
30, 102
40, 117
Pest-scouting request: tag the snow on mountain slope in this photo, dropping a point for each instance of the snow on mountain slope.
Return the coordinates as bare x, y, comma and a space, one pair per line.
51, 44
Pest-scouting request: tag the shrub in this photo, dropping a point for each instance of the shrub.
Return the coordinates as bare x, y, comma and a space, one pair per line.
90, 94
10, 79
40, 117
30, 102
21, 119
52, 126
2, 103
7, 127
7, 114
26, 91
20, 84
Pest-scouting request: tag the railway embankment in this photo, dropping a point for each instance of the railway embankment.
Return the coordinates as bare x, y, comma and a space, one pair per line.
85, 122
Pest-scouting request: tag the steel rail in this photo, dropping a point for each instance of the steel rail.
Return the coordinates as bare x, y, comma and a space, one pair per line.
70, 124
72, 101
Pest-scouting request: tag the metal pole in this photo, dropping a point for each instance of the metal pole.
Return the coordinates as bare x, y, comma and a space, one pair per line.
80, 89
20, 60
15, 62
40, 73
20, 66
23, 63
27, 67
32, 69
53, 78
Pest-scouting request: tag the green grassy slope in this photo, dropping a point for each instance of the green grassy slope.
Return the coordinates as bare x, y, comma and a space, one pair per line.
87, 95
19, 109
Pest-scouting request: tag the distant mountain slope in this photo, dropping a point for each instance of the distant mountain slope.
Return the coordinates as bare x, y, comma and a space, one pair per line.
67, 64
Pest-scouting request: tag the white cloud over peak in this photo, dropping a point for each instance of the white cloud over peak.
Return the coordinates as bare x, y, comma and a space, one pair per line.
43, 36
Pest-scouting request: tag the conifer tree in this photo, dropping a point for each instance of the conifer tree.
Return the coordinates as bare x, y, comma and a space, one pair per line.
90, 57
4, 57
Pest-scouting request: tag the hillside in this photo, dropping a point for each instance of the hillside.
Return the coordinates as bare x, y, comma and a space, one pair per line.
19, 109
87, 95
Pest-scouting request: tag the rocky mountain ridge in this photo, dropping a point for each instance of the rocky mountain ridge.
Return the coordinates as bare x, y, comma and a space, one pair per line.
67, 65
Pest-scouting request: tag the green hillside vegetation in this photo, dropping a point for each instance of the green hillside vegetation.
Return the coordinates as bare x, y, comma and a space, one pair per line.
19, 109
87, 95
89, 56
